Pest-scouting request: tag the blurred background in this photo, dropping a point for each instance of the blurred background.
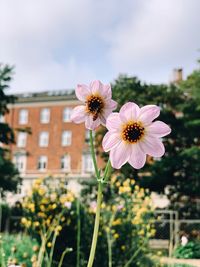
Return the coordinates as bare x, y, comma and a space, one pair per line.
149, 52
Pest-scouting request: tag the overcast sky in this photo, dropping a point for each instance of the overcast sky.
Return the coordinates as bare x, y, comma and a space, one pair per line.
58, 44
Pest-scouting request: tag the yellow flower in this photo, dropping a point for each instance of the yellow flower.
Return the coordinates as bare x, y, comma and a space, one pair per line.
49, 244
117, 222
116, 236
41, 191
42, 207
141, 232
33, 258
118, 184
132, 181
103, 205
23, 220
123, 247
41, 214
36, 224
58, 228
35, 248
153, 232
54, 206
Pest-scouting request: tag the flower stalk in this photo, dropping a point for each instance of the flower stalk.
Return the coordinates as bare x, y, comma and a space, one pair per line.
96, 226
99, 200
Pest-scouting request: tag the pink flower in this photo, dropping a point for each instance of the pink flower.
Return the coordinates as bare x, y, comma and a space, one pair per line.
132, 135
98, 104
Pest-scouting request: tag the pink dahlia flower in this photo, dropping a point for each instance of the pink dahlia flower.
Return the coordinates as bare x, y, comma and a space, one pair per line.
132, 135
98, 104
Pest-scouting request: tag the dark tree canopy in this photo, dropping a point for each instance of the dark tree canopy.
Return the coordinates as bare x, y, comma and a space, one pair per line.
9, 176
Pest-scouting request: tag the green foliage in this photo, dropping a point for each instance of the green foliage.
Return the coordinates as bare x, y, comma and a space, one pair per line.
16, 249
9, 176
190, 251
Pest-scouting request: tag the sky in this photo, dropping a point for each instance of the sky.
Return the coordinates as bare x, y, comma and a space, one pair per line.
56, 45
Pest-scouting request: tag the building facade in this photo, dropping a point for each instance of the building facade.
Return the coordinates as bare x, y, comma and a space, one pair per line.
55, 146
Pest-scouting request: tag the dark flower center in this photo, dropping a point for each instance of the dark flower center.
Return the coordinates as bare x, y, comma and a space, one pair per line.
94, 105
132, 132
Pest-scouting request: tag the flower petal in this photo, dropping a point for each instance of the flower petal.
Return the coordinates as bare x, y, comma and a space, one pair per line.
90, 123
106, 91
129, 111
102, 119
138, 157
120, 155
82, 91
110, 141
148, 114
152, 146
96, 87
113, 104
113, 122
158, 129
78, 114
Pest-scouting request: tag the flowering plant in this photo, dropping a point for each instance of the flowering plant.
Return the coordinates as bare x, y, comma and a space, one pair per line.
132, 135
47, 209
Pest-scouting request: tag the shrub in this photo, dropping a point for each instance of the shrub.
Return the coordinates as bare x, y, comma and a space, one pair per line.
52, 214
190, 251
17, 249
126, 225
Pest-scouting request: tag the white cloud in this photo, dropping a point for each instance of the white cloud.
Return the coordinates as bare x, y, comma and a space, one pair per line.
34, 32
158, 34
56, 44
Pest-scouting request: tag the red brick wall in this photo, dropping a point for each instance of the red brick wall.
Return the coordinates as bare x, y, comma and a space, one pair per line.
55, 150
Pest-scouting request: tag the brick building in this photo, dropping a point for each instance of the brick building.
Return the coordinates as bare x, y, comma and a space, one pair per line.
56, 146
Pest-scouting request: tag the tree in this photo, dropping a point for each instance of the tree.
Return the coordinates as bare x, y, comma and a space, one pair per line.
179, 109
9, 176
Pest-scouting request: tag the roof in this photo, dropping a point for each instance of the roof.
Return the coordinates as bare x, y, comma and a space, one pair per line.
46, 96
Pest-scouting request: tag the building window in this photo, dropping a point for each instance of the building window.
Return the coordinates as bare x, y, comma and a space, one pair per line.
21, 139
2, 118
65, 163
67, 114
20, 162
87, 163
45, 115
42, 163
66, 138
44, 139
23, 116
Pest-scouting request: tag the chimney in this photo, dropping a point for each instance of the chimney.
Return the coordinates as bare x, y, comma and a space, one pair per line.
177, 76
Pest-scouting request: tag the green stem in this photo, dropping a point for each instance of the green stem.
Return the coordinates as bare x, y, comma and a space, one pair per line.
93, 155
135, 254
41, 252
63, 256
52, 249
96, 226
107, 172
109, 242
78, 233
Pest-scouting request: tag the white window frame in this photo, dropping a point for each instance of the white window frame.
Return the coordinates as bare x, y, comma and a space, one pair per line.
66, 138
87, 163
67, 114
44, 139
20, 162
45, 115
21, 139
23, 116
65, 163
42, 163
